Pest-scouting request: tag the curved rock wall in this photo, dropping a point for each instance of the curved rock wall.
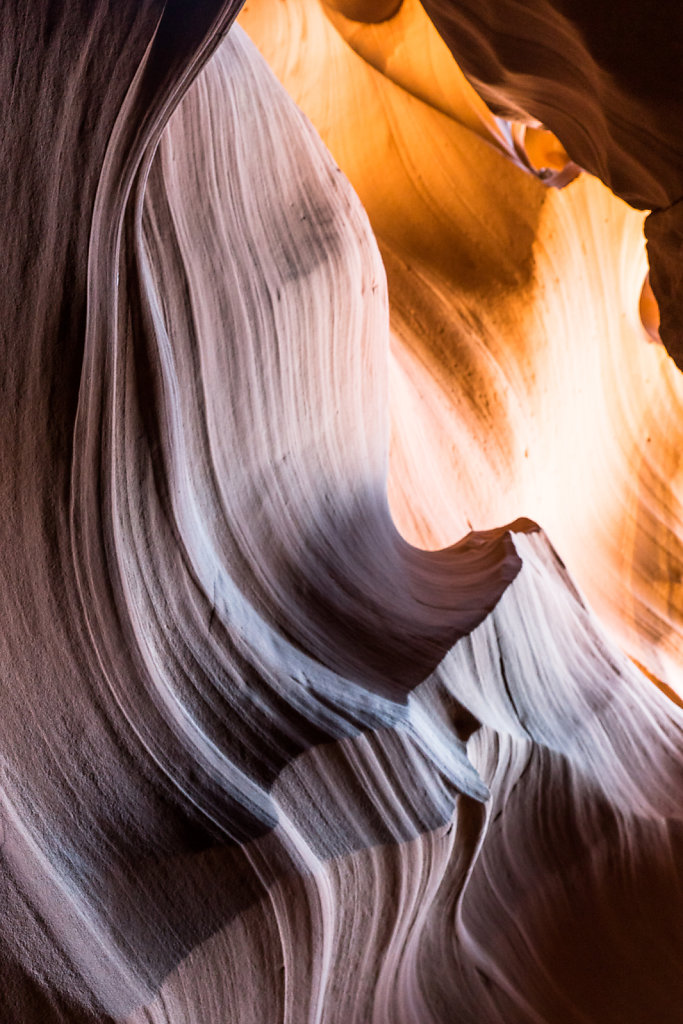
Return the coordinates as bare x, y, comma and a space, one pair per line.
266, 754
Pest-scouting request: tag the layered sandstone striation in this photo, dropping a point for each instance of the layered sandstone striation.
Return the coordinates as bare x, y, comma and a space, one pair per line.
282, 739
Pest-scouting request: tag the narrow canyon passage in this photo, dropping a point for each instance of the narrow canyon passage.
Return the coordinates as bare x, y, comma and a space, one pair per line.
304, 718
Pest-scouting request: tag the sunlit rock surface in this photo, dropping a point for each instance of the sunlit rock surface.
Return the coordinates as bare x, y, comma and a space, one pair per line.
521, 383
264, 755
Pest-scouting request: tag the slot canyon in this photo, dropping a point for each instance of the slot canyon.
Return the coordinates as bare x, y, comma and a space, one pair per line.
341, 499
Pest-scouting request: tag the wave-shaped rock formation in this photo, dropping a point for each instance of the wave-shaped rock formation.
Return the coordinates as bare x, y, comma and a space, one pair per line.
521, 380
264, 755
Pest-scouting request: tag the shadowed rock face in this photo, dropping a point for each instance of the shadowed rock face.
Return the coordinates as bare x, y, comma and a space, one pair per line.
607, 80
262, 758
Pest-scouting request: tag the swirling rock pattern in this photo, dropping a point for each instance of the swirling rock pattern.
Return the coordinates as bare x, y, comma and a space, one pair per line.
520, 382
607, 81
262, 758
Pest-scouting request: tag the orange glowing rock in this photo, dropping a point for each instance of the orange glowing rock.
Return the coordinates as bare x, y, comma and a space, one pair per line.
282, 738
520, 384
649, 310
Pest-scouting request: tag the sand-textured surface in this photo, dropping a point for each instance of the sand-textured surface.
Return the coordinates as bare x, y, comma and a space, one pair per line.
281, 738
